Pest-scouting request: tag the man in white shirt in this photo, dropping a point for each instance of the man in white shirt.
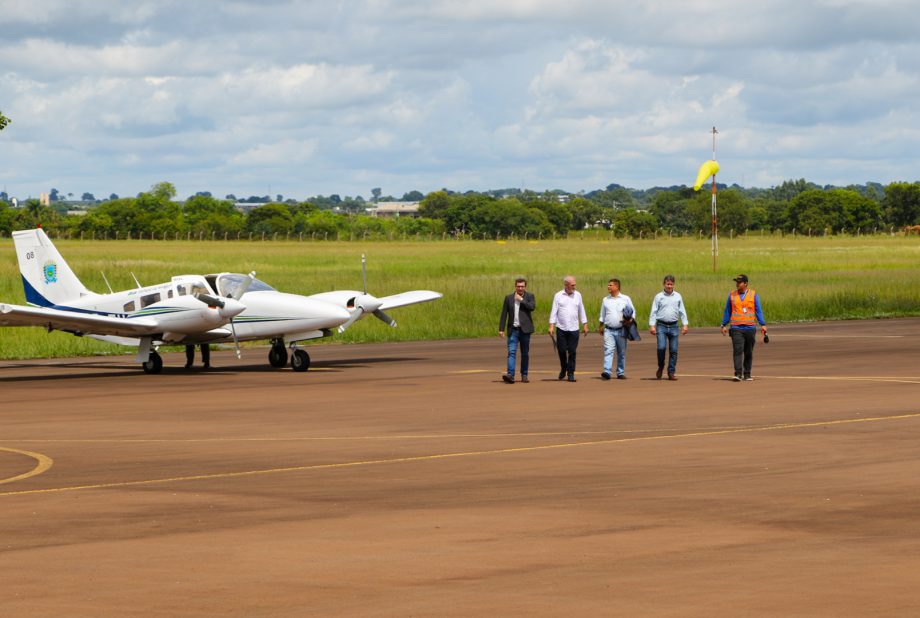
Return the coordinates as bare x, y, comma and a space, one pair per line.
667, 312
568, 310
615, 308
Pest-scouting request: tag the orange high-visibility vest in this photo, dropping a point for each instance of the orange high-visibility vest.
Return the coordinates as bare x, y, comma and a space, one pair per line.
744, 311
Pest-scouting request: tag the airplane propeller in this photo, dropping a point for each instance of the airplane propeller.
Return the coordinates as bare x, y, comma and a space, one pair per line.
211, 301
366, 303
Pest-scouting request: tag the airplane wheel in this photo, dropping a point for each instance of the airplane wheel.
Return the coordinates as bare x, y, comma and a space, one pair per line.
277, 356
300, 360
154, 363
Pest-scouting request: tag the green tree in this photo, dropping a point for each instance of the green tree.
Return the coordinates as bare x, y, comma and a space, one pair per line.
902, 203
860, 211
434, 205
206, 215
670, 208
815, 211
614, 197
731, 208
270, 219
4, 121
493, 218
633, 223
586, 213
559, 216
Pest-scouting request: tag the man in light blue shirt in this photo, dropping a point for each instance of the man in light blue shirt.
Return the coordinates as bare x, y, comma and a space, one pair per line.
568, 310
615, 308
667, 310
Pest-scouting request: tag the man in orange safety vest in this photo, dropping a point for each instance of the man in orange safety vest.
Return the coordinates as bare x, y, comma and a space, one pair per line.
743, 313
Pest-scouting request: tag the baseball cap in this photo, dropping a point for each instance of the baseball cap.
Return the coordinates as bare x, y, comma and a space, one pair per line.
741, 278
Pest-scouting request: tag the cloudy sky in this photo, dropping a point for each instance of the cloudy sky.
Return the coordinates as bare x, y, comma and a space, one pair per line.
307, 97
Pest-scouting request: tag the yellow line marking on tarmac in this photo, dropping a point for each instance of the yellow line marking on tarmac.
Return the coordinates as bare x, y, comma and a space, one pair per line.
44, 464
438, 456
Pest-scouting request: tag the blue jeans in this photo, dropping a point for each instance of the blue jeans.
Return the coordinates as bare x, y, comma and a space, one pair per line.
667, 339
516, 338
615, 341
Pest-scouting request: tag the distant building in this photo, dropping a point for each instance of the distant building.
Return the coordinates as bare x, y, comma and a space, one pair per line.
394, 210
44, 199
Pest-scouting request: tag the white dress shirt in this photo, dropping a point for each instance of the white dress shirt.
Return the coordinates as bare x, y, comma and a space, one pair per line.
567, 311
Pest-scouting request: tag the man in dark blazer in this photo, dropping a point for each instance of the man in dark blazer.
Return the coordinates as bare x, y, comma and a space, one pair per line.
516, 320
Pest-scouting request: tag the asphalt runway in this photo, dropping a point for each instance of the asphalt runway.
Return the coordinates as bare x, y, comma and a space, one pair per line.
408, 480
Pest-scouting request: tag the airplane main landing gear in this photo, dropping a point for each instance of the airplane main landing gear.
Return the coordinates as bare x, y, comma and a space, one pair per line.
300, 360
153, 364
277, 356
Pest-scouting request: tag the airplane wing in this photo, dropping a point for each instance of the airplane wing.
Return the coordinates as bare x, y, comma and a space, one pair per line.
408, 298
73, 321
343, 298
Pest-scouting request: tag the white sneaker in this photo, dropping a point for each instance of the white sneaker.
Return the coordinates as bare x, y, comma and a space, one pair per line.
736, 379
749, 379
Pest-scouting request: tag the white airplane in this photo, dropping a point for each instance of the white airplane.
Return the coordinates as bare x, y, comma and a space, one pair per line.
182, 311
265, 314
286, 319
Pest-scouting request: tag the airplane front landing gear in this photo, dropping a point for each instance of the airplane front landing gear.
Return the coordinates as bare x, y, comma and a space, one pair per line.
277, 356
153, 364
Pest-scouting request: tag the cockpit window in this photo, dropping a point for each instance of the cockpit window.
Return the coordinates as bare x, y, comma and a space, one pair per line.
230, 284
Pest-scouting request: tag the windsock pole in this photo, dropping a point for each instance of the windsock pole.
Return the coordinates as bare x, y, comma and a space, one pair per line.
715, 218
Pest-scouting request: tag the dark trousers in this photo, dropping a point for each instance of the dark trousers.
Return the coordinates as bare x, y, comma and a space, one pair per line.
205, 354
567, 346
742, 350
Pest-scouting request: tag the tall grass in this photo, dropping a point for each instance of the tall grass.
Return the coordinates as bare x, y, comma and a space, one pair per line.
799, 279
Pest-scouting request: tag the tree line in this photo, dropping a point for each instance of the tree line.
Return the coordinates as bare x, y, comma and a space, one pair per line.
796, 206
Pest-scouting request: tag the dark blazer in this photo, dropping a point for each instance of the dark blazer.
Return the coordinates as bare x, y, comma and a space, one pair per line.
528, 304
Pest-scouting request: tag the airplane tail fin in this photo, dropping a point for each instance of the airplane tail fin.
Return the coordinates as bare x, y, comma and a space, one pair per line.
46, 277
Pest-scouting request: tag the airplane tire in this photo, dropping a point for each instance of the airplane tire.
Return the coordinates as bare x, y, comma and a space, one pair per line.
154, 363
300, 360
277, 356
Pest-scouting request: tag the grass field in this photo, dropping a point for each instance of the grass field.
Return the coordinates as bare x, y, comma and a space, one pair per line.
799, 279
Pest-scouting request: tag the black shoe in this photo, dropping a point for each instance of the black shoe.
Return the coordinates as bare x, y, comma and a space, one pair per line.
207, 365
737, 379
562, 375
621, 376
188, 365
658, 373
524, 379
572, 378
508, 378
605, 376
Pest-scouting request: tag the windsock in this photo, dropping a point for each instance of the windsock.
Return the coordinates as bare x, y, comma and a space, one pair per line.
707, 169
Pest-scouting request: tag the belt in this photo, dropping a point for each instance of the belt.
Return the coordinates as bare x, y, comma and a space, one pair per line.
663, 323
620, 327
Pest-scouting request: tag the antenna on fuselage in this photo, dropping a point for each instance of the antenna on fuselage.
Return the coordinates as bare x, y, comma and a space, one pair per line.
111, 291
136, 281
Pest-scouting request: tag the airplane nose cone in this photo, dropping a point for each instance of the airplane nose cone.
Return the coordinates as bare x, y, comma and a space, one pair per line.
231, 308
